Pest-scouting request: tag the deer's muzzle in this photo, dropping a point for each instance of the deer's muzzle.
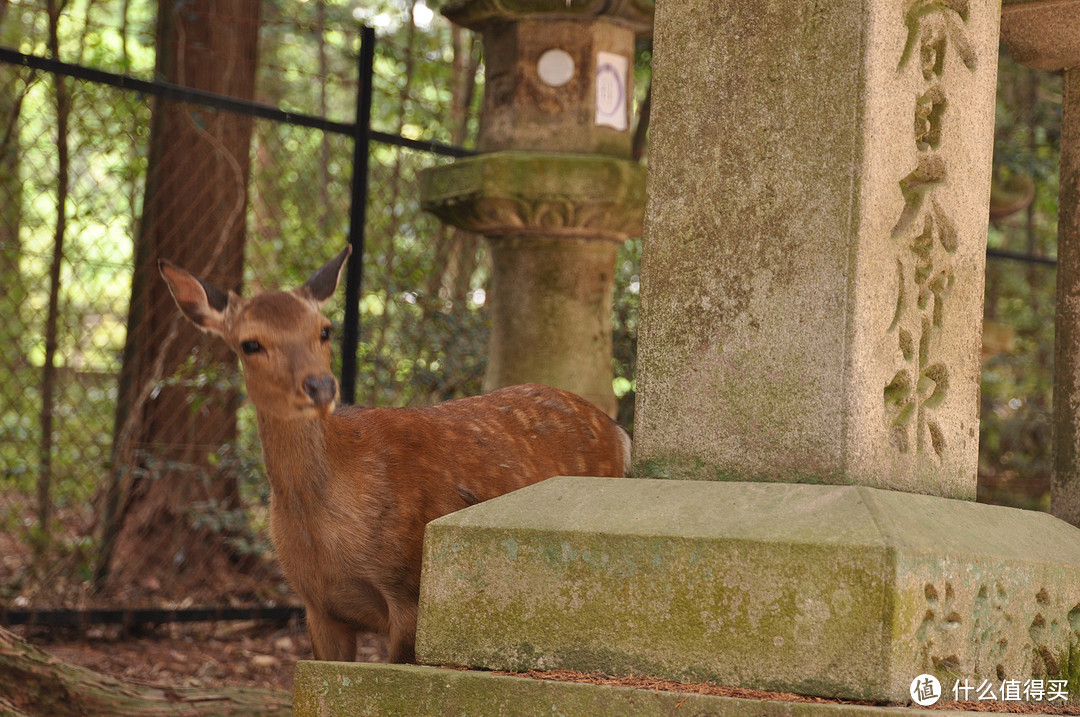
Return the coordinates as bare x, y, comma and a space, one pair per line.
322, 390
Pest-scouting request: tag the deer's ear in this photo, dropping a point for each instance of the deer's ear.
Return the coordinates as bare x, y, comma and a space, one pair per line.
203, 304
324, 282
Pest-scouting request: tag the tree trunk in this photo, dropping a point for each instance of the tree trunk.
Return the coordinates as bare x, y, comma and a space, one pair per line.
48, 374
14, 365
35, 683
178, 387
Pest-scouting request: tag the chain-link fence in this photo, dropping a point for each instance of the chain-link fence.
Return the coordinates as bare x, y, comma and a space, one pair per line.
130, 461
118, 436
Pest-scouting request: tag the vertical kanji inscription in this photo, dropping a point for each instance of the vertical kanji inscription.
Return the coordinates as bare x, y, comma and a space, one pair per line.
924, 235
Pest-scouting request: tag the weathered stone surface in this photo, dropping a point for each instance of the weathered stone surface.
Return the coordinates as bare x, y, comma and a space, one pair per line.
812, 271
351, 688
476, 14
1065, 483
535, 194
835, 591
1042, 33
522, 111
551, 302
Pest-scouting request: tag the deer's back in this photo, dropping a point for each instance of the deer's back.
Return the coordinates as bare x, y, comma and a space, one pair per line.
481, 446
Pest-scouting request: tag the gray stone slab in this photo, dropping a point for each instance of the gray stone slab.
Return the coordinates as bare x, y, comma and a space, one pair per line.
814, 242
837, 591
351, 688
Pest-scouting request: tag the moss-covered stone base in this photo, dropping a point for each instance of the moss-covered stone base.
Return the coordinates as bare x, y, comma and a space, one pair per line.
837, 591
352, 688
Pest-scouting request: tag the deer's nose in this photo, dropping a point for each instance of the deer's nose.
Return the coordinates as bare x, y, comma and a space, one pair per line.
322, 390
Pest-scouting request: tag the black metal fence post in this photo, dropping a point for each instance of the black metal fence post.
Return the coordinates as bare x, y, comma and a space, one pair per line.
350, 339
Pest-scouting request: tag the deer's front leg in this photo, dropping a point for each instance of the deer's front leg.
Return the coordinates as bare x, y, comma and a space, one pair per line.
330, 639
403, 633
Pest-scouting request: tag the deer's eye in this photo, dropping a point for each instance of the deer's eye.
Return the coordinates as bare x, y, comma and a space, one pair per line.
250, 347
324, 335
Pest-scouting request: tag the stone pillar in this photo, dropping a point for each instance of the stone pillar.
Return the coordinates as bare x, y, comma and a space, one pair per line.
556, 191
812, 286
1044, 35
1065, 485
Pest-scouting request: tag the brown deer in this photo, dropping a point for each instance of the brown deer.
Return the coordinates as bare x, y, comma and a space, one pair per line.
352, 488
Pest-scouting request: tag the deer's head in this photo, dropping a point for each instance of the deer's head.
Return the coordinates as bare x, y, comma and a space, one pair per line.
282, 337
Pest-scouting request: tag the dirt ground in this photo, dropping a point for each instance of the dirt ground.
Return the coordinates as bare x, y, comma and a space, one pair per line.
250, 654
239, 654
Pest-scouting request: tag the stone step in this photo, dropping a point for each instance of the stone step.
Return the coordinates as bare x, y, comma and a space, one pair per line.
836, 591
354, 688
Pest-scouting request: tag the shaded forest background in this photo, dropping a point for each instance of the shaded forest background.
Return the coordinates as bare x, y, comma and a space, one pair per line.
130, 465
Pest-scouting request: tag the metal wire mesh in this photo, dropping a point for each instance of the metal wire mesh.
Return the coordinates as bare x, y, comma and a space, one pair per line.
91, 422
57, 433
69, 433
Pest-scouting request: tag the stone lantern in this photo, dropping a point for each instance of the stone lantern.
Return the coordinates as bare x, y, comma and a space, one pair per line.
555, 190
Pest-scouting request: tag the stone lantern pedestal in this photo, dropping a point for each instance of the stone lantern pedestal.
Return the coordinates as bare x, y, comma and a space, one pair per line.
556, 191
554, 223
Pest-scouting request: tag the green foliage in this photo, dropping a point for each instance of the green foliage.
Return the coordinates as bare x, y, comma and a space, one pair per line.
625, 322
1017, 380
239, 526
421, 338
106, 165
424, 326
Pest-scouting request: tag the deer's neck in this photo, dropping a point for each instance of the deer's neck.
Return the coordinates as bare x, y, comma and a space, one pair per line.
294, 452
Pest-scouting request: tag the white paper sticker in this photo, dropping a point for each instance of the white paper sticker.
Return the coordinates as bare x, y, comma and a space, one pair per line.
611, 90
555, 67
